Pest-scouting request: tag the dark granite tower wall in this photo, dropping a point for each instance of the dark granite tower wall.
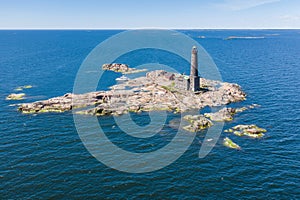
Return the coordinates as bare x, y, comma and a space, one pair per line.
194, 77
194, 62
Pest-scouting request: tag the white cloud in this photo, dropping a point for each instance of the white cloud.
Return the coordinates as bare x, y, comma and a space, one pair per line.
290, 18
236, 5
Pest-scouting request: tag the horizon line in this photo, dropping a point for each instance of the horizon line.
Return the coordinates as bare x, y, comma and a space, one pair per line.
149, 28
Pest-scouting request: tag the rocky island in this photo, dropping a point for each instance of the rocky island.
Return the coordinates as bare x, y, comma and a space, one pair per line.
157, 90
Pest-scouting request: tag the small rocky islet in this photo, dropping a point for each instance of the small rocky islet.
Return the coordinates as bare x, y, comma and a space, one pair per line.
251, 130
15, 96
230, 144
122, 68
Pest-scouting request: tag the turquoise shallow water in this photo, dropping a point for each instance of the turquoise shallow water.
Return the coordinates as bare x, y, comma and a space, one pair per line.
42, 155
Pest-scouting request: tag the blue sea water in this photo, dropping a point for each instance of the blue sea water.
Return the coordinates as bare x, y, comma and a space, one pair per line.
42, 155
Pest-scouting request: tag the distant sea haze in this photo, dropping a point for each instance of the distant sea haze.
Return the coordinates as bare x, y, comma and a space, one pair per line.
43, 157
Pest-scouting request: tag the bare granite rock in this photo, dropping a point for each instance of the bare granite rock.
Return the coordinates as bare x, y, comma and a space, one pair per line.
155, 91
122, 68
64, 103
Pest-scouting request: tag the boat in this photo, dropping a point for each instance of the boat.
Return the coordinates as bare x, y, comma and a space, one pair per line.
122, 78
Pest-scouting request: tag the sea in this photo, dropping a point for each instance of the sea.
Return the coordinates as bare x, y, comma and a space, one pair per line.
43, 157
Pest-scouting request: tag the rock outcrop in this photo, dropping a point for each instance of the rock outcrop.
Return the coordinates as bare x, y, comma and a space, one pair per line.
197, 123
225, 114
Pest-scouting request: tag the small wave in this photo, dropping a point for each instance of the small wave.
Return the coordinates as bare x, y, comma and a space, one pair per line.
272, 34
244, 37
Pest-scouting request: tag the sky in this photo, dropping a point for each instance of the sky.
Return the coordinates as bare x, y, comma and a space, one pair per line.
132, 14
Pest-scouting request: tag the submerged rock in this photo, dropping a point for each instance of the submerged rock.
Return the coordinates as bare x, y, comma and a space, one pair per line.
197, 123
15, 96
230, 144
18, 89
174, 123
242, 109
252, 131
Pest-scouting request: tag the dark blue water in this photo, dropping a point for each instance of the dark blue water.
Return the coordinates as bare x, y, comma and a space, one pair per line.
42, 155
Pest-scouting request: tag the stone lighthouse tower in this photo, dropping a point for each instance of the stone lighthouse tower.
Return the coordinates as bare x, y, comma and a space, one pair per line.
194, 77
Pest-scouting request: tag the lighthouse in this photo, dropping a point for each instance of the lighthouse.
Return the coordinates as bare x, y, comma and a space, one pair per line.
194, 76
